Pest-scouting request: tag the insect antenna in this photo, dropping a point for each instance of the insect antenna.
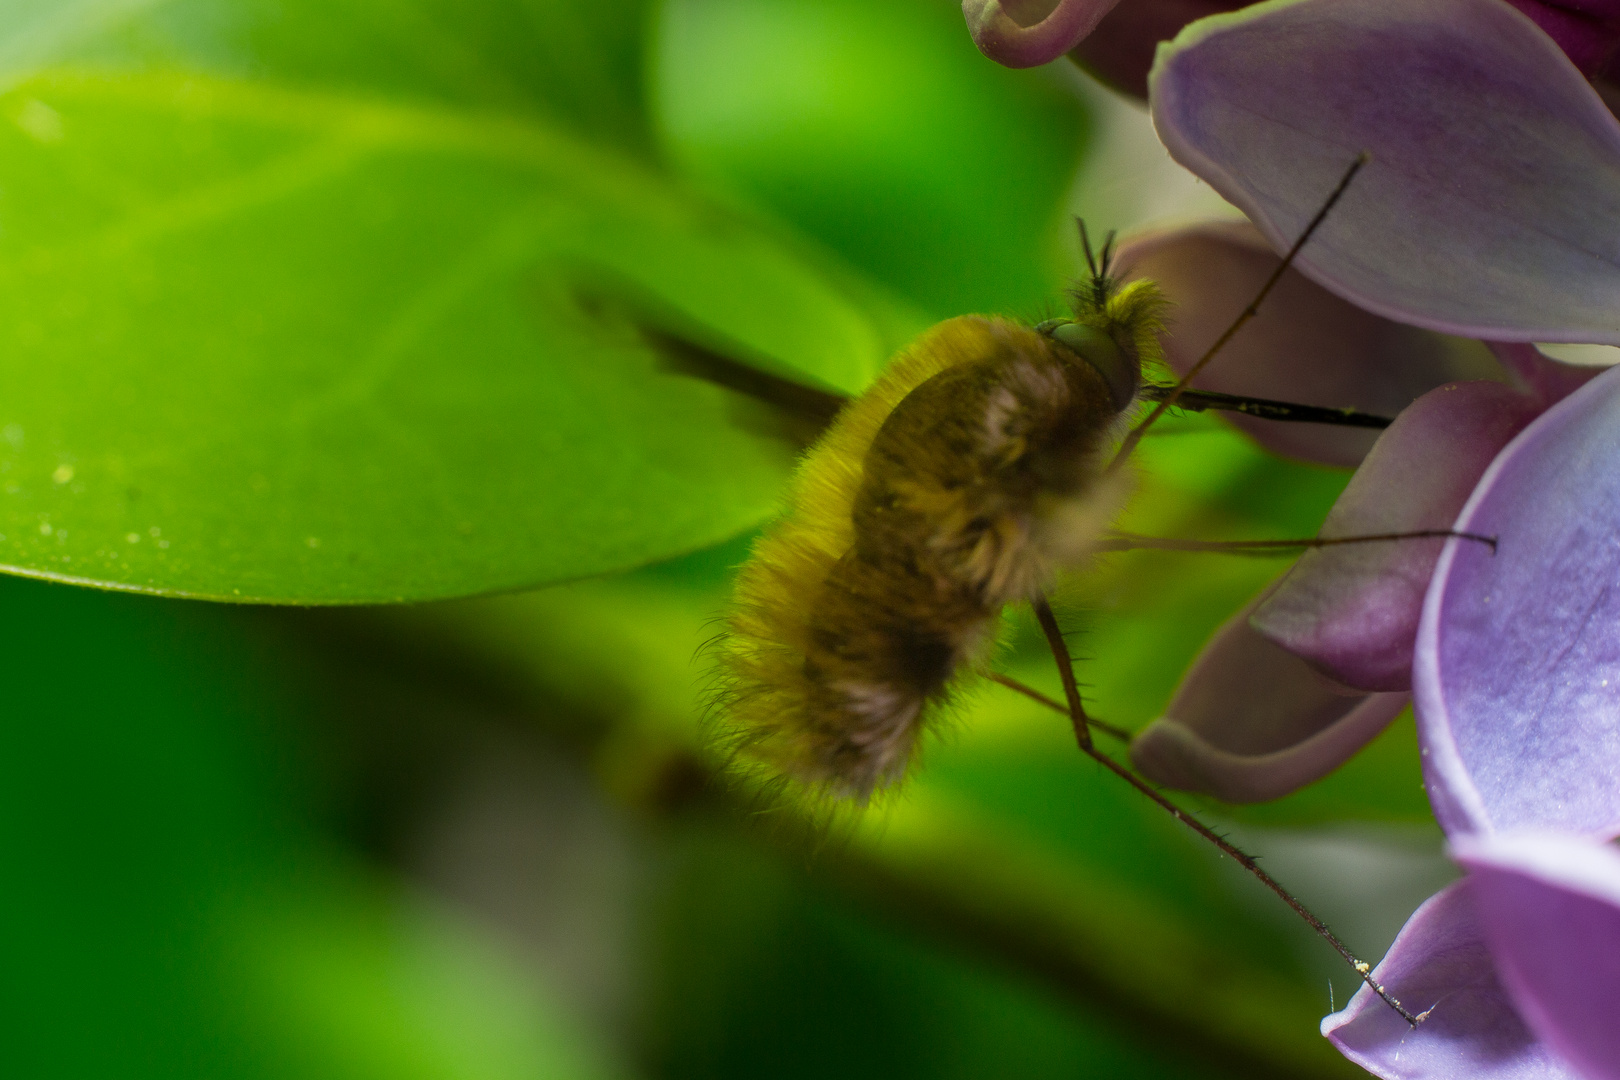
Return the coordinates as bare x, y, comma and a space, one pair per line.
1082, 732
1085, 246
1098, 263
1166, 402
1105, 260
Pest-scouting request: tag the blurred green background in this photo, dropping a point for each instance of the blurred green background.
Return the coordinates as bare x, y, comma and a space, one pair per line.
342, 302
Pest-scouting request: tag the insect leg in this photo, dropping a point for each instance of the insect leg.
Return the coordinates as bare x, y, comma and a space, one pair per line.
1060, 652
1065, 662
1265, 408
1035, 695
1134, 436
1362, 968
1122, 541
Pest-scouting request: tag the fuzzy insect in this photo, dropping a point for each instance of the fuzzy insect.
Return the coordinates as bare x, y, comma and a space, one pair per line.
974, 469
968, 475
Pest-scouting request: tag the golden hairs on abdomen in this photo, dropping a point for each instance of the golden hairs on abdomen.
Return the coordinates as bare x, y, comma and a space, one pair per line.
962, 480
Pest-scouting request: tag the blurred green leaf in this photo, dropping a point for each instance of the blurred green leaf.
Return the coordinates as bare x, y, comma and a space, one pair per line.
574, 64
767, 970
876, 126
171, 912
354, 978
309, 347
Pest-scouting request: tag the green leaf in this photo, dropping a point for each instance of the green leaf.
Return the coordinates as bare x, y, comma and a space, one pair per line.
172, 910
579, 65
308, 346
877, 127
356, 980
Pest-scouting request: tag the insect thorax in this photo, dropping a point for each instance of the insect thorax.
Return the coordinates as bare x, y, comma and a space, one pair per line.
965, 472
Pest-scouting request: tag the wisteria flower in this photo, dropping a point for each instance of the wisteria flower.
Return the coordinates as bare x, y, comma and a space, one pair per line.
1517, 967
1517, 685
1491, 210
1116, 40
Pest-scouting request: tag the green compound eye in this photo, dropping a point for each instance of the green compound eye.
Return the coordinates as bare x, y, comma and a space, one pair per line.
1097, 349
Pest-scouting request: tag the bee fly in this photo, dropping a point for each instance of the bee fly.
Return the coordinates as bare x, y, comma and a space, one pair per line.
985, 459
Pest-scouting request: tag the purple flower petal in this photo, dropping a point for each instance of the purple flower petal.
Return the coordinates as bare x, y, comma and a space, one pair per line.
1491, 206
1440, 963
1306, 345
1026, 33
1120, 50
1251, 722
1352, 611
1550, 908
1587, 30
1516, 671
1549, 381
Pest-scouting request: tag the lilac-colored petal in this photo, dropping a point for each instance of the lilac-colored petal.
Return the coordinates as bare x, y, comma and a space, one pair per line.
1120, 50
1516, 670
1491, 206
1306, 345
1352, 611
1548, 380
1440, 963
1550, 908
1251, 722
1026, 33
1587, 30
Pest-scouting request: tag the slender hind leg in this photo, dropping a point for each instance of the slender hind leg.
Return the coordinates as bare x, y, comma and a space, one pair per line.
1076, 714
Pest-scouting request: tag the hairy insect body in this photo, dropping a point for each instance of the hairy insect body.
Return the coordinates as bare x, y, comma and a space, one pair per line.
968, 475
961, 481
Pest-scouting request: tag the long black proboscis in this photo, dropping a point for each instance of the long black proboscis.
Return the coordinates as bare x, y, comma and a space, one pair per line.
1265, 408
